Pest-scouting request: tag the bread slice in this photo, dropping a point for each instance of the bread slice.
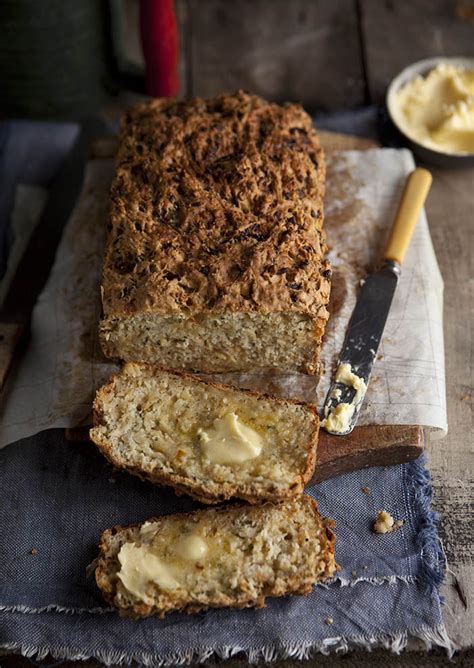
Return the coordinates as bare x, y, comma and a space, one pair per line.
164, 426
216, 255
218, 557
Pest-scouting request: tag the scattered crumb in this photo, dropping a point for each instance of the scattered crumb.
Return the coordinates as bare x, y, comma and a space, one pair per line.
380, 357
466, 397
366, 490
34, 551
385, 523
329, 621
354, 574
366, 568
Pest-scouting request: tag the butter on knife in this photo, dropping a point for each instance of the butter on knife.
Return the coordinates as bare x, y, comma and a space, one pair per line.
349, 385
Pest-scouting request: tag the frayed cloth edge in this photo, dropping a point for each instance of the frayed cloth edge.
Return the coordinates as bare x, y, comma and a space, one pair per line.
53, 607
343, 582
433, 557
433, 572
396, 643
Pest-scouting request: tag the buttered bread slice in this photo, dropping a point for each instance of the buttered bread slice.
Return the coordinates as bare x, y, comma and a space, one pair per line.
210, 441
213, 558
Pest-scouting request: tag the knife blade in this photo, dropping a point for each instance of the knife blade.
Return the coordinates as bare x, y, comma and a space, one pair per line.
350, 381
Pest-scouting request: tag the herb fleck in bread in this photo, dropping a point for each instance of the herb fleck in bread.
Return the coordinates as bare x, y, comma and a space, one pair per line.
215, 259
219, 557
154, 423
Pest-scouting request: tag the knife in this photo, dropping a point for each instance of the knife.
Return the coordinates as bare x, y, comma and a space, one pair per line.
349, 384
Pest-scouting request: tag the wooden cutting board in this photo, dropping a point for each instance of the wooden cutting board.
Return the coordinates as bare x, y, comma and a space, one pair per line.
373, 445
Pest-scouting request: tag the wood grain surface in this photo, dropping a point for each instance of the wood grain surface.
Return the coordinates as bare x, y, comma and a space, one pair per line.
371, 445
306, 50
398, 33
328, 55
387, 35
450, 212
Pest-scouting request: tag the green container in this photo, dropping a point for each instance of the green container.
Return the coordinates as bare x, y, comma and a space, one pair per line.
52, 58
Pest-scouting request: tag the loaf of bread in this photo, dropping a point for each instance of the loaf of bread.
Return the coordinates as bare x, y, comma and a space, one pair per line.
213, 558
215, 259
210, 441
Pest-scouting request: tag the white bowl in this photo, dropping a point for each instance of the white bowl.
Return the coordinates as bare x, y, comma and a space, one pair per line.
429, 155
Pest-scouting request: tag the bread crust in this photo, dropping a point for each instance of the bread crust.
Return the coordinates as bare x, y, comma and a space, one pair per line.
195, 489
217, 205
141, 609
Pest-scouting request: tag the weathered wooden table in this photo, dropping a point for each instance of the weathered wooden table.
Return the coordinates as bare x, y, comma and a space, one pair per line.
342, 53
450, 209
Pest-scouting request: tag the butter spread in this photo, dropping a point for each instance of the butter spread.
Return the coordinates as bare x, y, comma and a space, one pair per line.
337, 418
190, 547
438, 110
140, 566
229, 441
346, 376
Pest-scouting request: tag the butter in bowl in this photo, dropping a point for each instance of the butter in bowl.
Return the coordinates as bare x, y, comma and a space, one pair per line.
432, 104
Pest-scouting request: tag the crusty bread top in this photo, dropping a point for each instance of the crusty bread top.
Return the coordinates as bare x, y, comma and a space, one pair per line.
216, 205
147, 420
252, 552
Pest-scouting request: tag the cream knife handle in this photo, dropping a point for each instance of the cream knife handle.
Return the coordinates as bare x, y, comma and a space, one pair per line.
413, 197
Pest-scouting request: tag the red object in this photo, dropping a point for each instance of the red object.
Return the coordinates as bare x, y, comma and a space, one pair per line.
159, 36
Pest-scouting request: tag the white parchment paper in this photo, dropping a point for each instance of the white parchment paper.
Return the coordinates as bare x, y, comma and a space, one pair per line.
56, 380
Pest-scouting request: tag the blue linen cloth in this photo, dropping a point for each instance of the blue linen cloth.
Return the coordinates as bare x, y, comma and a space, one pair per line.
58, 496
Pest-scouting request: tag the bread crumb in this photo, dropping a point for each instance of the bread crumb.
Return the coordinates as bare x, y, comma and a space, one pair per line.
34, 551
366, 490
366, 568
465, 397
329, 621
354, 574
385, 523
